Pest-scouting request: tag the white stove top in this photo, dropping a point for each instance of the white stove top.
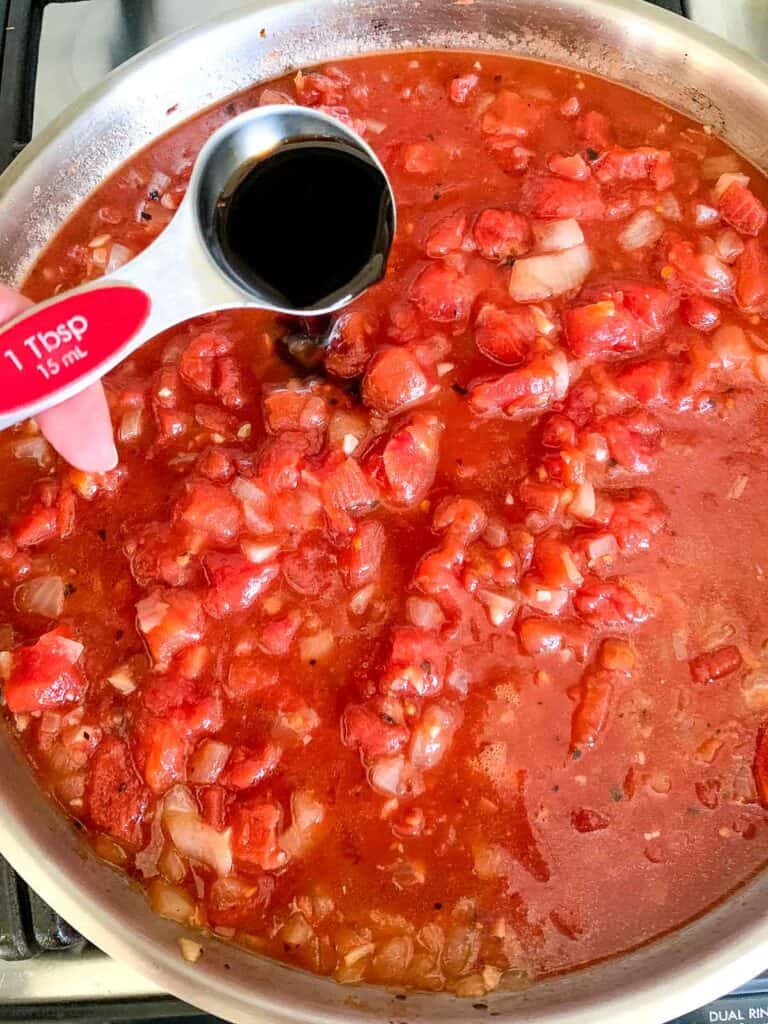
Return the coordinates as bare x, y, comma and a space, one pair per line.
80, 43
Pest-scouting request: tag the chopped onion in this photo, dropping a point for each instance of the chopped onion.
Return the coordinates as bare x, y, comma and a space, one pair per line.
131, 424
645, 228
725, 181
36, 448
393, 956
433, 736
307, 813
558, 364
704, 216
296, 931
195, 838
360, 600
99, 241
556, 235
208, 762
729, 245
257, 551
179, 798
43, 595
424, 612
544, 277
731, 347
122, 679
314, 648
119, 255
713, 167
499, 608
150, 612
159, 182
171, 901
190, 950
669, 207
755, 690
372, 125
275, 96
6, 664
583, 504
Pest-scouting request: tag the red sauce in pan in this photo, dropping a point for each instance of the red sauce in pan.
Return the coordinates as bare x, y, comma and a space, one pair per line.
440, 660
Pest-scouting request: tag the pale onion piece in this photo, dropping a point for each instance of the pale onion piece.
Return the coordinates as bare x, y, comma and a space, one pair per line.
495, 534
271, 97
556, 235
491, 861
6, 664
50, 722
259, 551
118, 256
131, 425
316, 647
393, 957
249, 492
377, 127
346, 429
208, 762
35, 448
738, 487
171, 901
306, 814
755, 690
159, 182
387, 773
190, 950
731, 347
644, 228
500, 609
43, 595
558, 364
99, 241
71, 649
171, 865
146, 860
122, 679
717, 271
729, 245
544, 325
725, 181
544, 277
760, 367
458, 680
712, 167
360, 600
150, 612
424, 612
297, 931
583, 503
669, 207
358, 953
179, 798
433, 735
195, 838
704, 216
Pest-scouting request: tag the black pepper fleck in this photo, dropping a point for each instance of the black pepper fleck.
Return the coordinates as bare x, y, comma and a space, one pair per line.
101, 534
69, 589
592, 154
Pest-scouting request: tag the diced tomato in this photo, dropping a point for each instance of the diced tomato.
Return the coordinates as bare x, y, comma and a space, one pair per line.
163, 693
277, 635
45, 675
633, 440
295, 408
752, 277
210, 511
460, 87
417, 663
505, 334
553, 560
349, 345
650, 382
715, 664
170, 621
602, 327
239, 903
311, 569
548, 197
501, 234
608, 604
533, 387
447, 235
115, 798
163, 753
348, 491
393, 382
247, 768
442, 294
235, 582
314, 88
559, 432
587, 820
510, 114
36, 526
197, 363
213, 804
362, 558
741, 208
760, 765
699, 313
635, 165
573, 168
255, 829
594, 703
249, 676
546, 636
158, 556
542, 497
229, 383
700, 273
636, 517
409, 459
375, 728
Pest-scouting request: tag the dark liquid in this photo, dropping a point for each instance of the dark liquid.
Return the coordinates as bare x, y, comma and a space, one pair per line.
306, 222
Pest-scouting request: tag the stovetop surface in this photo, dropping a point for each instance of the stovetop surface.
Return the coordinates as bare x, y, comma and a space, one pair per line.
54, 975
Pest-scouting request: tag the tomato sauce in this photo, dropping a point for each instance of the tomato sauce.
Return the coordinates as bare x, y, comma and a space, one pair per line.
438, 658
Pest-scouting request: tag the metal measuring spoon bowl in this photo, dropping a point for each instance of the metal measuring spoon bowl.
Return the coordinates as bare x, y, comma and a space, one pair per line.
287, 210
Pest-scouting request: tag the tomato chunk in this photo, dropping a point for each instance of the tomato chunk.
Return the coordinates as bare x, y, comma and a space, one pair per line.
393, 382
550, 197
500, 234
741, 208
715, 664
115, 798
760, 765
505, 334
170, 621
235, 582
45, 675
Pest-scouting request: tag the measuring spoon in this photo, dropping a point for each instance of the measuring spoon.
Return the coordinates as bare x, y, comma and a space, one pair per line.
287, 210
